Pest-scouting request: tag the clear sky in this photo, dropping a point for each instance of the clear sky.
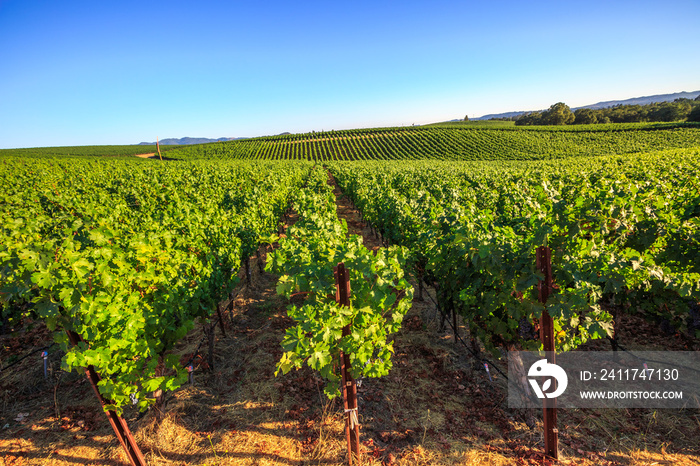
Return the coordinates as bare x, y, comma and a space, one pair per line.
76, 72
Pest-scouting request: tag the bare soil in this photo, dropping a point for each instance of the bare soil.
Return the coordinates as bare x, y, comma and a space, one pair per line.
154, 155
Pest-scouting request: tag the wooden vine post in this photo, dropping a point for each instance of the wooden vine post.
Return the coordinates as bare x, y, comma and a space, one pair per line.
551, 433
158, 147
349, 389
121, 429
221, 319
261, 267
248, 275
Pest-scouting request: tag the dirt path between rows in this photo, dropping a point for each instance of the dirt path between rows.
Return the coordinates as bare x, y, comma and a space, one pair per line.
154, 155
347, 211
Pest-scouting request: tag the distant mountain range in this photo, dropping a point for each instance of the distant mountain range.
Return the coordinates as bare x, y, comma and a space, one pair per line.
610, 103
174, 141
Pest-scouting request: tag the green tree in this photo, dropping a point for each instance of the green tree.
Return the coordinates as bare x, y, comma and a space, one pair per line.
694, 114
628, 113
558, 114
585, 116
669, 111
527, 119
466, 117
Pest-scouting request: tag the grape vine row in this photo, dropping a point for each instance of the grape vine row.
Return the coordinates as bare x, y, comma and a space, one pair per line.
129, 255
622, 231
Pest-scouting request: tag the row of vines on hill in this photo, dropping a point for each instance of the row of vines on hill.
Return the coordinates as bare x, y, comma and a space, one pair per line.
129, 254
623, 231
451, 143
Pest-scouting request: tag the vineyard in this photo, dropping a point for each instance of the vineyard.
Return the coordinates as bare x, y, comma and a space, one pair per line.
83, 151
129, 256
625, 231
454, 143
126, 266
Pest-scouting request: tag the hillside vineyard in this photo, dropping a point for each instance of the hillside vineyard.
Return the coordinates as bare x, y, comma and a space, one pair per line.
501, 142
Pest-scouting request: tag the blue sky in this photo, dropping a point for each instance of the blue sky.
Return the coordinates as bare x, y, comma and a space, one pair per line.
77, 73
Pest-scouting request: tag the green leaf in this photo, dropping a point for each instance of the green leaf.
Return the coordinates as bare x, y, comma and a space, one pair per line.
81, 267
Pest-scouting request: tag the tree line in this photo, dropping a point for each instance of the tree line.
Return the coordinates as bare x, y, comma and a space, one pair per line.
561, 114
